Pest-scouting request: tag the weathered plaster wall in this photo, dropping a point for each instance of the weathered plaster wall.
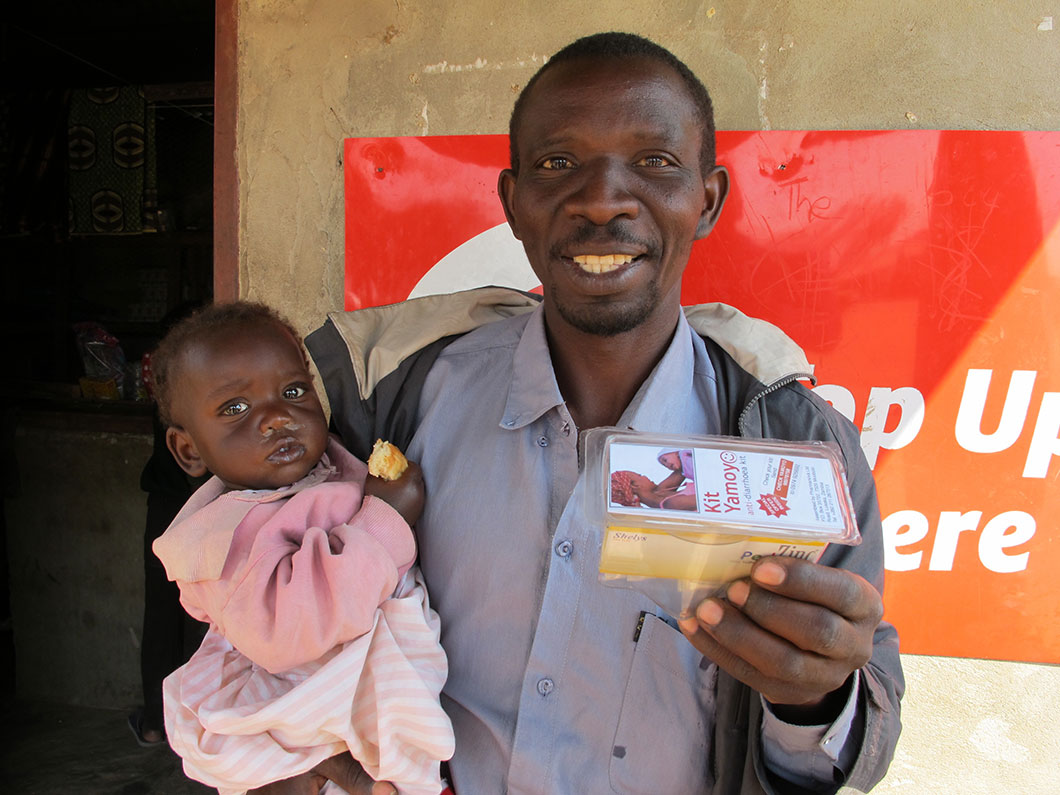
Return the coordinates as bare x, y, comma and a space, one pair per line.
313, 72
75, 518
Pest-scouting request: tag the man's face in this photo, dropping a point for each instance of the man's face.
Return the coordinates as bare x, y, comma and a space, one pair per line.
610, 196
246, 410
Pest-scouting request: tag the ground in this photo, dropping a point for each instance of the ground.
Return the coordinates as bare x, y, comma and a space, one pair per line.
50, 749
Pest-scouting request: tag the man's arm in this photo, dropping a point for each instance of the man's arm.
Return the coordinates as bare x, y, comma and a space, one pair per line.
872, 733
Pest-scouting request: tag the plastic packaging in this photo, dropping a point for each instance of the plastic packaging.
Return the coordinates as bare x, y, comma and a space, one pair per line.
682, 516
103, 360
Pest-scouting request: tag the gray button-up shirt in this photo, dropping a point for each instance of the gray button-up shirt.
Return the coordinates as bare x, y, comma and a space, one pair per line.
557, 683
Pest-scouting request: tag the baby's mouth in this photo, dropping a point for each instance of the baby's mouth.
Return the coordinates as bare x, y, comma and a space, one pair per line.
602, 263
288, 450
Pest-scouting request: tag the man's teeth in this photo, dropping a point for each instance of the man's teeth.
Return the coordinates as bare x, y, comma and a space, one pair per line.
602, 264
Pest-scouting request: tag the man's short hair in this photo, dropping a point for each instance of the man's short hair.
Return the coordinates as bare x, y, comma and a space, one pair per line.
234, 317
620, 46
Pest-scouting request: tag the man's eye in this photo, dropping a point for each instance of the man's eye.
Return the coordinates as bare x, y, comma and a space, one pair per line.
234, 409
654, 161
294, 392
556, 163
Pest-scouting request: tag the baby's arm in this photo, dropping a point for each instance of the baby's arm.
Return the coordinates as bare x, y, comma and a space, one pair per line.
300, 581
671, 482
405, 494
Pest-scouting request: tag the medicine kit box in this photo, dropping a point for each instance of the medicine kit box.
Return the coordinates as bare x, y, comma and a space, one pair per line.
682, 516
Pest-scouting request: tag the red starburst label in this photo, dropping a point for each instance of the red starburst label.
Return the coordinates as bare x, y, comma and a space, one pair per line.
773, 504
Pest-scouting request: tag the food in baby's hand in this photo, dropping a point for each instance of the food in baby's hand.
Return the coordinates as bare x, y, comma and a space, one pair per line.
386, 461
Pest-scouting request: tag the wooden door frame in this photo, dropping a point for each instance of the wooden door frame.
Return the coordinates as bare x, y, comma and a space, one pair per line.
225, 165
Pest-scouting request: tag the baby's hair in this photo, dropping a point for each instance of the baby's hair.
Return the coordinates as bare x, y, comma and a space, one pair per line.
204, 323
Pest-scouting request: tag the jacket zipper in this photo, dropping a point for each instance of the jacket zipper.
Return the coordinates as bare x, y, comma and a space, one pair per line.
778, 384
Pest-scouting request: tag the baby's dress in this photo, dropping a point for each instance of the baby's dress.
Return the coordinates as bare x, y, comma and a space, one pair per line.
322, 638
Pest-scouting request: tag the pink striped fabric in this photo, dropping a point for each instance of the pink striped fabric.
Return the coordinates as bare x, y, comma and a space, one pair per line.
238, 727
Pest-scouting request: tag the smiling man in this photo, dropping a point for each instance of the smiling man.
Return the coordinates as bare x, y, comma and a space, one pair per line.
788, 682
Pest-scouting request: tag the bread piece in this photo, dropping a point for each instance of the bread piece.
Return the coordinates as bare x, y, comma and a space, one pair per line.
386, 461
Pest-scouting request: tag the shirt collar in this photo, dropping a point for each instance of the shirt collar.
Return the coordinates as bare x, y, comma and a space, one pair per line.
534, 389
660, 405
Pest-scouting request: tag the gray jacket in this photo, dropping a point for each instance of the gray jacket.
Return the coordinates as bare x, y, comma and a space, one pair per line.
373, 363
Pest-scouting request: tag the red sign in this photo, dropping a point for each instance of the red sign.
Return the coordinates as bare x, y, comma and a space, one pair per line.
915, 267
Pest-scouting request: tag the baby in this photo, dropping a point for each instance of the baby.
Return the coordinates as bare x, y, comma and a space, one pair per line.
321, 636
676, 492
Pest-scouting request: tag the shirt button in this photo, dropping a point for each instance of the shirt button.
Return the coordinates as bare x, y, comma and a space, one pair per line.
545, 686
566, 429
564, 548
509, 423
542, 441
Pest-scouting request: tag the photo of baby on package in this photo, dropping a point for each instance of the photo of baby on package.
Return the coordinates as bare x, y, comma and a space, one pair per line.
674, 469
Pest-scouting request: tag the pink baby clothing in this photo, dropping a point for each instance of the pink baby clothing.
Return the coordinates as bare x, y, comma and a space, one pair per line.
321, 635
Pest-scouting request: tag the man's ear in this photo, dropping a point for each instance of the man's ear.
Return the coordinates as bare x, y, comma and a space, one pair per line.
185, 452
716, 187
506, 191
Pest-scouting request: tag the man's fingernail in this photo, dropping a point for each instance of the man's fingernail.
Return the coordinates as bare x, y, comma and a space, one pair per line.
688, 625
738, 593
710, 612
769, 573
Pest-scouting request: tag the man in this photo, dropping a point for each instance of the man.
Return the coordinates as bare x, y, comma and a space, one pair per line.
788, 682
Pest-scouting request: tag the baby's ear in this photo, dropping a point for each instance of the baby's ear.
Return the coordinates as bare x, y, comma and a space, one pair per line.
182, 447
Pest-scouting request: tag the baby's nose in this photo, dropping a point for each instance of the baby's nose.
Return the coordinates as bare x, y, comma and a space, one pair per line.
274, 419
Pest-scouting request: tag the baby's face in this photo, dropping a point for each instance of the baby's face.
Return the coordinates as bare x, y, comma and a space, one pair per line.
671, 461
246, 402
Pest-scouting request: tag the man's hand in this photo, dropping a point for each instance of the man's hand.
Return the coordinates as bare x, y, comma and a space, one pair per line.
305, 784
794, 632
404, 495
341, 769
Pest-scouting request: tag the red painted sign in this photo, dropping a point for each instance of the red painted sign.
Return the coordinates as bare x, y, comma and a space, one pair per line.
916, 268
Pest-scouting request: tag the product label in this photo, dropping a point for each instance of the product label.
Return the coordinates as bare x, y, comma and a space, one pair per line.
731, 486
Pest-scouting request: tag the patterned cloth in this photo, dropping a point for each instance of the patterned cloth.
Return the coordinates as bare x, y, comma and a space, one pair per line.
111, 161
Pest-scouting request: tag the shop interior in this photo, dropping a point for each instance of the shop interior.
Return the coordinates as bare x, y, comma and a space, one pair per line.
106, 185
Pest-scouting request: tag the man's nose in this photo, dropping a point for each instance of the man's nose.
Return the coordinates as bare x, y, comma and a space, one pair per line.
603, 192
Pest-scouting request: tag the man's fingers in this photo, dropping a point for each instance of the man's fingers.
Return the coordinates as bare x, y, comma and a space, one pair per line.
766, 661
806, 626
794, 631
842, 592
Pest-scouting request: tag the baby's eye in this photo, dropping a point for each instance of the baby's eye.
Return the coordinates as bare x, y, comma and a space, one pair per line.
234, 409
293, 392
556, 163
655, 161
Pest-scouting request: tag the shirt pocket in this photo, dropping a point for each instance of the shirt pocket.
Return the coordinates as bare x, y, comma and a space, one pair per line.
662, 743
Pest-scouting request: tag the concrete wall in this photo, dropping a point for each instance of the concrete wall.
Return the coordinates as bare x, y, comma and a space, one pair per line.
75, 528
313, 72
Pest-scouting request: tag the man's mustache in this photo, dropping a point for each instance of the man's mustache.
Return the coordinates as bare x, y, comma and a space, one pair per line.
614, 231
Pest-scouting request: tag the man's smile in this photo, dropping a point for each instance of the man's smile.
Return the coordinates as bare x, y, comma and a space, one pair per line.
602, 263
